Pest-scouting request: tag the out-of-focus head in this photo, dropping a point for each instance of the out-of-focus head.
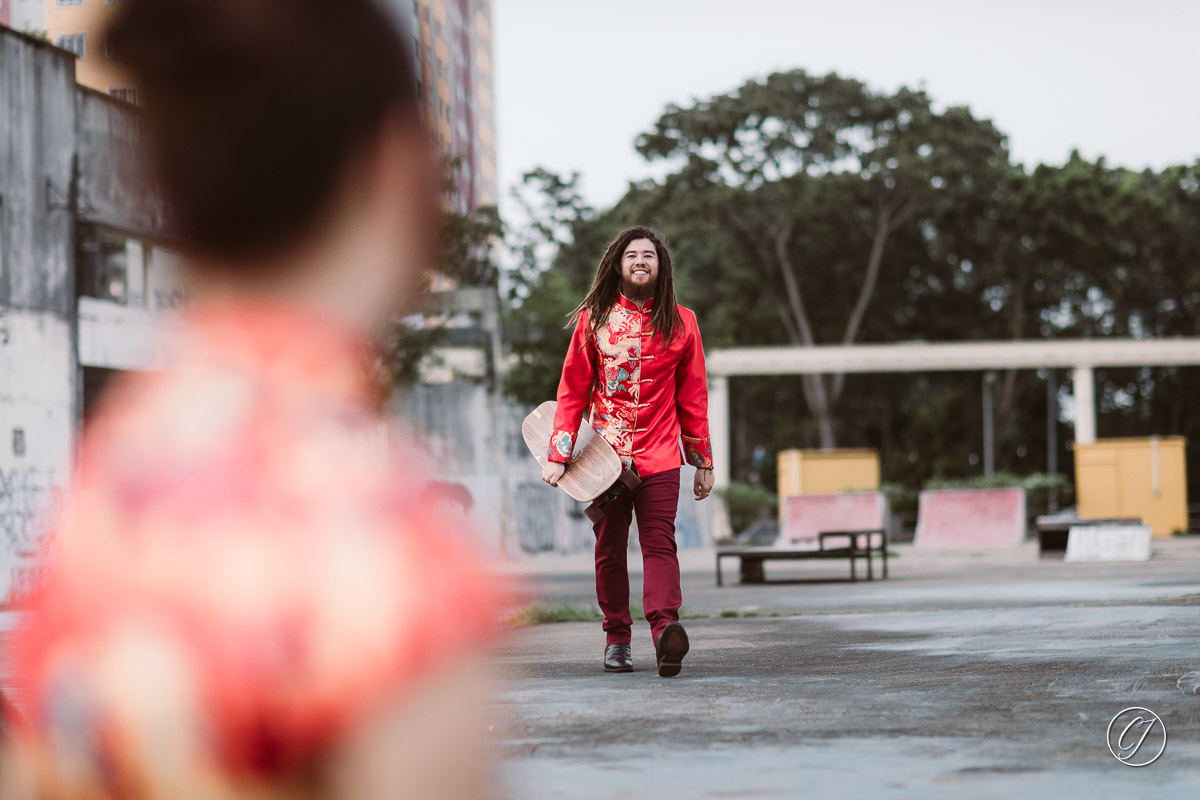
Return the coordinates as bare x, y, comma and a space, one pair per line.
275, 126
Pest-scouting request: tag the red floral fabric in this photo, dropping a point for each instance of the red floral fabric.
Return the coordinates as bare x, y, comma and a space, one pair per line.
644, 394
243, 554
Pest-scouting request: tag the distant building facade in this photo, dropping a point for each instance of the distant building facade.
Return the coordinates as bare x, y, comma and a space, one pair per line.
85, 282
78, 26
452, 40
452, 43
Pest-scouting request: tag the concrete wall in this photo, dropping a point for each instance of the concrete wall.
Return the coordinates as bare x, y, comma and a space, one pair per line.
66, 160
516, 513
37, 352
37, 147
37, 417
110, 189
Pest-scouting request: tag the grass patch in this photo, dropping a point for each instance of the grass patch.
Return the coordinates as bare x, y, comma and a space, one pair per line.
544, 613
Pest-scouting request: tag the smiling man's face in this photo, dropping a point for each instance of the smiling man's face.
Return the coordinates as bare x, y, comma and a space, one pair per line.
639, 270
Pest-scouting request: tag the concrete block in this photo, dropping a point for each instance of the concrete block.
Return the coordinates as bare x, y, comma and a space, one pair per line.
1108, 543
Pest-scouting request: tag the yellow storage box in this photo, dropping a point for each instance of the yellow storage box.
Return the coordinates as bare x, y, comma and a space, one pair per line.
826, 472
1144, 478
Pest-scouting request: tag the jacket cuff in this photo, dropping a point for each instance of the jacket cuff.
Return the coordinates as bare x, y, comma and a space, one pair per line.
698, 451
561, 445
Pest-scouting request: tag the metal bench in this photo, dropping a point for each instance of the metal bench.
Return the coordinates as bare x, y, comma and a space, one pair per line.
853, 549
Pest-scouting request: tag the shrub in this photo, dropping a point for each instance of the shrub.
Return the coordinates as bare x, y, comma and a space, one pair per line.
746, 503
1037, 486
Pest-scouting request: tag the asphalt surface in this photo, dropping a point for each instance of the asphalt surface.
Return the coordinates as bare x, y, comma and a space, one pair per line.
964, 675
970, 675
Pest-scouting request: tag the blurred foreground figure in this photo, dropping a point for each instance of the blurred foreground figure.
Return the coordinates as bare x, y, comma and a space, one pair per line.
246, 597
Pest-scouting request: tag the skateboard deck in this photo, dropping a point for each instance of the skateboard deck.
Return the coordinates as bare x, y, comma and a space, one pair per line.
594, 466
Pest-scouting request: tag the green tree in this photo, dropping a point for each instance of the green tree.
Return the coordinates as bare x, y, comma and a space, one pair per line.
793, 158
810, 210
466, 256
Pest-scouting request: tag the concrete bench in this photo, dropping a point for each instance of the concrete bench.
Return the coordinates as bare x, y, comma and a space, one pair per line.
1053, 530
855, 544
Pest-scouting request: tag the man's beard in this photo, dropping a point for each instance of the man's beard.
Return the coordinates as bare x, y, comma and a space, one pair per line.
638, 294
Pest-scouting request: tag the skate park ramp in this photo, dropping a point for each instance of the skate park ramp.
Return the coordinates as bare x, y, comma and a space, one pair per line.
969, 519
805, 516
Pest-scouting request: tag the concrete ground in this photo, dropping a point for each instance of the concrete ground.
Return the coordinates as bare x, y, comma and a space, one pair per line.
964, 675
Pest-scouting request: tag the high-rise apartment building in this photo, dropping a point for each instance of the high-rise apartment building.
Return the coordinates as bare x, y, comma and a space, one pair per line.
452, 44
78, 26
452, 41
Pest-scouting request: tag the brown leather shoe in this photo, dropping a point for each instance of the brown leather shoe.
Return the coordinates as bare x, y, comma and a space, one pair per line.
618, 658
670, 647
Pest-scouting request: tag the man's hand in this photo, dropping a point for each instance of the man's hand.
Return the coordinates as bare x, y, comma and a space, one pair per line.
704, 483
553, 471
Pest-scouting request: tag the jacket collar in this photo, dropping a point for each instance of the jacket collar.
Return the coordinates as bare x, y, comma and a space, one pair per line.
626, 303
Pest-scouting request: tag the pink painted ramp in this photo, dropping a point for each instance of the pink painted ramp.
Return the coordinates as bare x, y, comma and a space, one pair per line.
806, 515
967, 519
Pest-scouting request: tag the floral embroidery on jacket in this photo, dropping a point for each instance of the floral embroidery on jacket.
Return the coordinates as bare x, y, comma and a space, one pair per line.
561, 443
698, 452
642, 392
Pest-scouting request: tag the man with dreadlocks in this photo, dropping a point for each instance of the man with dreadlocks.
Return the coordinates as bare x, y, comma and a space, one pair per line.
636, 360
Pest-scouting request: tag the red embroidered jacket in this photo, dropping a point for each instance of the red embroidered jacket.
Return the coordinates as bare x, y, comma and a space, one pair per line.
644, 393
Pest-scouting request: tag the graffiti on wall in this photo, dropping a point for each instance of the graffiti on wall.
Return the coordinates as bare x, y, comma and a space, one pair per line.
27, 495
536, 511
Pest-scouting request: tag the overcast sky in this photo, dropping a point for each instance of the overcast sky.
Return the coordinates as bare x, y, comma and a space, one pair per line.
577, 80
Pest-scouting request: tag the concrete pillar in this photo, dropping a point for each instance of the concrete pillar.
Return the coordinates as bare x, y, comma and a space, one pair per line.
1085, 406
718, 433
718, 428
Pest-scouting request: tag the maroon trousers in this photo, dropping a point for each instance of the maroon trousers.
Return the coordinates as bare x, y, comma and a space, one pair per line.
655, 503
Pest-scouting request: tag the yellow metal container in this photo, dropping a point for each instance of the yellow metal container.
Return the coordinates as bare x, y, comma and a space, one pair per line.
1144, 478
826, 471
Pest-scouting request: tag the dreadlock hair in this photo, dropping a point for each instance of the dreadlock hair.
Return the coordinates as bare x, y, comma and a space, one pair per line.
664, 316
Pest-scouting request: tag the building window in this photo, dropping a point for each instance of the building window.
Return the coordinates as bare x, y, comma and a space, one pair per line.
110, 50
70, 2
75, 43
125, 93
101, 264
